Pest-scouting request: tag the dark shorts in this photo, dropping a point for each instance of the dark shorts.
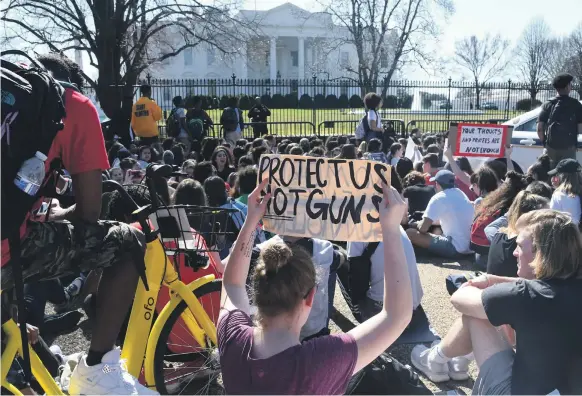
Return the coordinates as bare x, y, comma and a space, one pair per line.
54, 249
148, 141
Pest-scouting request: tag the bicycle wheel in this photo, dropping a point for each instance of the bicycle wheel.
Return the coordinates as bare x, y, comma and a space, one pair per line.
181, 366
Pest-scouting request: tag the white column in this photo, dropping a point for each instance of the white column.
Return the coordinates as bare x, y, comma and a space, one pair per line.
301, 57
245, 62
273, 58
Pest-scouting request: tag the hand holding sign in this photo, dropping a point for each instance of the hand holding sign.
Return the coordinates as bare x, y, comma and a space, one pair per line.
392, 209
257, 204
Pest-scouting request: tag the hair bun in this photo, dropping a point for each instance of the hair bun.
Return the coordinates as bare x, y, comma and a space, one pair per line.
275, 257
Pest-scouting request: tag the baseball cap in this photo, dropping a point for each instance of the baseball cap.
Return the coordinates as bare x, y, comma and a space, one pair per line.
444, 177
567, 165
562, 80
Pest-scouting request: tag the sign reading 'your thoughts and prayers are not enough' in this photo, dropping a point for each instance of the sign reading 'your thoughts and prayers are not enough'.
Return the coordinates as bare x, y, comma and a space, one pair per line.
326, 198
480, 140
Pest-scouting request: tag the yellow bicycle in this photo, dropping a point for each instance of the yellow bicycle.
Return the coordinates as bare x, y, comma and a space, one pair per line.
178, 353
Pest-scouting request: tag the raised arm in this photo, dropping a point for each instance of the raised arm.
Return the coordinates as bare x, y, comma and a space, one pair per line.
462, 176
376, 334
508, 151
234, 294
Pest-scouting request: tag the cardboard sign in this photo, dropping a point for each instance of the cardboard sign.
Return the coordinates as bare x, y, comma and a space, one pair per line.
327, 198
479, 140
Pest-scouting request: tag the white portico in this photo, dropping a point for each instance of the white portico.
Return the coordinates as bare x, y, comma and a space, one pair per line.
291, 43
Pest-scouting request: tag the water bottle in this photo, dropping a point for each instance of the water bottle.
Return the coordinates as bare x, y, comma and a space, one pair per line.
31, 174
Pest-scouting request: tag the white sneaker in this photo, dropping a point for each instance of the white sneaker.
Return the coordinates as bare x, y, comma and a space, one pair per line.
459, 368
108, 378
436, 372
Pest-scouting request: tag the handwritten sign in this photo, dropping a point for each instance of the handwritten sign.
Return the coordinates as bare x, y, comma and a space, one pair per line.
480, 140
327, 198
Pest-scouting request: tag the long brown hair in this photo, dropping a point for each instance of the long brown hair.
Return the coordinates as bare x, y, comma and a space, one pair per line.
557, 244
497, 202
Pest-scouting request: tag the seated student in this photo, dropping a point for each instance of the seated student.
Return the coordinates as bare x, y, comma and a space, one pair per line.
538, 188
430, 167
396, 152
416, 192
568, 195
326, 258
404, 167
483, 182
468, 182
373, 303
269, 358
246, 182
495, 205
500, 259
539, 170
374, 151
542, 306
454, 212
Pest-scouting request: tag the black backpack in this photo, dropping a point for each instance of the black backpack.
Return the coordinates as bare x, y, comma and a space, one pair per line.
173, 124
355, 279
386, 376
33, 109
229, 119
562, 130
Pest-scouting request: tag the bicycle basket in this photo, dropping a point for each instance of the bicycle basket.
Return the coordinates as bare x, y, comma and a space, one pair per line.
189, 228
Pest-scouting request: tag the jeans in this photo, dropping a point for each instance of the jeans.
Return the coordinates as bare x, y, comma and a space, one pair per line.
37, 294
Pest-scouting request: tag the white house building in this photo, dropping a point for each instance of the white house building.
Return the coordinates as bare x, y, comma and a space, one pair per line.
291, 43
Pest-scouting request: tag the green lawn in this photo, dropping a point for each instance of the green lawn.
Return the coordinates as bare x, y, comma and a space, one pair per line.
346, 121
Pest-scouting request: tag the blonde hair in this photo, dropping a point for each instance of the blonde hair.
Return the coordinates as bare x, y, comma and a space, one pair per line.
524, 202
557, 244
284, 276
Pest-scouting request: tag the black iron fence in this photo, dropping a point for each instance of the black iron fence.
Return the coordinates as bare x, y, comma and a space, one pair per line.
430, 105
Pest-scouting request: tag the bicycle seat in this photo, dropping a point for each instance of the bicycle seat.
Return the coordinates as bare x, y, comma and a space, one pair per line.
155, 171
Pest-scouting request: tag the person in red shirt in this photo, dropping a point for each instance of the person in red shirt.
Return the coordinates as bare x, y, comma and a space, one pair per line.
72, 240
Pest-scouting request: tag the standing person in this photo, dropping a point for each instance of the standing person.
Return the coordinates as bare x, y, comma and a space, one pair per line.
268, 357
178, 118
373, 103
198, 113
144, 117
258, 114
560, 121
568, 195
232, 121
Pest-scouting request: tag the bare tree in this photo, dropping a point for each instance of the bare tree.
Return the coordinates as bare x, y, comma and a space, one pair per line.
565, 56
532, 52
484, 58
387, 34
121, 37
574, 59
557, 57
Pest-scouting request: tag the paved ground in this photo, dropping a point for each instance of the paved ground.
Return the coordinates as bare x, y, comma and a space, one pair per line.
435, 302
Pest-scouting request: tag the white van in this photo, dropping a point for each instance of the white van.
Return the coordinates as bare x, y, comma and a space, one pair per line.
527, 147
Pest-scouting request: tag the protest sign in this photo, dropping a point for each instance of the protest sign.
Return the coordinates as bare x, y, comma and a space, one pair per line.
479, 140
412, 152
327, 198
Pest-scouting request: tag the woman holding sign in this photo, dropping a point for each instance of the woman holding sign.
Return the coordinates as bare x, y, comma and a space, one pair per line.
269, 358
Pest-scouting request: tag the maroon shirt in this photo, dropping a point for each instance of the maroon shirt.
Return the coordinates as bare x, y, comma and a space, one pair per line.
320, 366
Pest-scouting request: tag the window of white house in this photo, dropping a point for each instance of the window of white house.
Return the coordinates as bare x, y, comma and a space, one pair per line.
188, 57
210, 56
294, 58
267, 56
383, 58
344, 59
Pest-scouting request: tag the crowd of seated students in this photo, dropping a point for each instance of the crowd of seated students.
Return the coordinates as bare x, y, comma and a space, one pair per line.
439, 205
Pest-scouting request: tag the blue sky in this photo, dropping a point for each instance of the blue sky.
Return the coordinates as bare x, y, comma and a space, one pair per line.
479, 17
